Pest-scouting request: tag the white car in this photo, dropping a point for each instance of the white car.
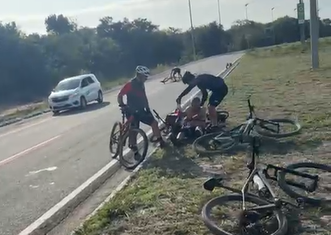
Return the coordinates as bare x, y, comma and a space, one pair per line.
75, 92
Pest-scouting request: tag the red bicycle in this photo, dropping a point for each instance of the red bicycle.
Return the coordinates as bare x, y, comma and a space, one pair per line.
123, 132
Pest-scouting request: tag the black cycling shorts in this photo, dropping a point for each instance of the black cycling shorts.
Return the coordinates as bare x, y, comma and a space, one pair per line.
217, 96
143, 116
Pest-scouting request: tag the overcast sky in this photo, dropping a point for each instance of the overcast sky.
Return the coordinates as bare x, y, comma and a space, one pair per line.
30, 14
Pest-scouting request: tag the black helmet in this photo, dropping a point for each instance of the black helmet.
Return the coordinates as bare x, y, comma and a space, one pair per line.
187, 77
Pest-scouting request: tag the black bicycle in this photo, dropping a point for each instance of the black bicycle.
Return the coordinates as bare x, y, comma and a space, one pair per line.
221, 141
249, 219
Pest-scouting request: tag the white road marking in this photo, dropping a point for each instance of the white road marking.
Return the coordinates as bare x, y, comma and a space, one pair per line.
53, 168
20, 154
34, 186
22, 128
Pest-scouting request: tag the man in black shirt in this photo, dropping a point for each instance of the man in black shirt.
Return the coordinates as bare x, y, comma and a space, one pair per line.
206, 82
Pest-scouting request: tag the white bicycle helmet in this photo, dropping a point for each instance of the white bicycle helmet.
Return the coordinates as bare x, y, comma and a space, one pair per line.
142, 70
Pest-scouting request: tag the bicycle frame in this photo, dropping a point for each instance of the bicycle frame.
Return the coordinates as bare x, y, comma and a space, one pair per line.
125, 123
247, 127
263, 176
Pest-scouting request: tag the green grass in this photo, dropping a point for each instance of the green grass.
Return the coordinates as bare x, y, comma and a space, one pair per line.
10, 113
166, 196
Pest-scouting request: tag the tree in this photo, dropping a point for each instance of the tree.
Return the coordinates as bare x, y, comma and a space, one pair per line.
59, 24
31, 65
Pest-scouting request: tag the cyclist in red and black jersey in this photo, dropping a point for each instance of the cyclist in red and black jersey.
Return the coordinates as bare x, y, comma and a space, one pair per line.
206, 82
137, 102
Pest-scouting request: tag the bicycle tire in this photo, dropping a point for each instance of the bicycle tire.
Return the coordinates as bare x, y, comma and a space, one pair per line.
231, 143
262, 131
122, 160
207, 208
116, 152
287, 189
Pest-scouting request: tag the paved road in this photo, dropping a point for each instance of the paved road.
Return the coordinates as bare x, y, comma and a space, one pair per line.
45, 159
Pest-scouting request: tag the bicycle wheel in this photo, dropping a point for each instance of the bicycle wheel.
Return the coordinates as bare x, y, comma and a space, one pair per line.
207, 144
290, 190
282, 225
115, 136
133, 158
269, 128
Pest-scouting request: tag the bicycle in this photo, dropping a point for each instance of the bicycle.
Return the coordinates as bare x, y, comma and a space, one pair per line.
218, 142
172, 124
267, 202
176, 78
124, 131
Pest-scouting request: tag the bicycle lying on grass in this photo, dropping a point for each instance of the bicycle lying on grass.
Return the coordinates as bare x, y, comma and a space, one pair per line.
121, 133
173, 123
268, 205
221, 141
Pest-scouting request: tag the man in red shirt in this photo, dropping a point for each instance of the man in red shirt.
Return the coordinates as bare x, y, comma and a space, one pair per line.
137, 104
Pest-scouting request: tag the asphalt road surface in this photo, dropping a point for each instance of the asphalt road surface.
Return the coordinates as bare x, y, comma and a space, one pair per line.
46, 158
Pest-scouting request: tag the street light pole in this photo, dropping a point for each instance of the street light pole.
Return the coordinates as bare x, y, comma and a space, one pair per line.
246, 10
192, 30
272, 14
314, 34
219, 12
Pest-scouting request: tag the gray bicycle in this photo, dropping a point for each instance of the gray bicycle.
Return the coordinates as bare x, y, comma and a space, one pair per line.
265, 215
221, 141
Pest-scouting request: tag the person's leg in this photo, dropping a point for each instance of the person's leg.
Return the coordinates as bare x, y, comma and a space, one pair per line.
149, 119
214, 100
133, 135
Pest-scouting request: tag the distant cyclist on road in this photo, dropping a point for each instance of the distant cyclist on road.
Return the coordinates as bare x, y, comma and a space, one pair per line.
137, 104
175, 71
206, 82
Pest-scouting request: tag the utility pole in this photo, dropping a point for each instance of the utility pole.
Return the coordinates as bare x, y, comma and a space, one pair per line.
246, 6
219, 12
192, 30
301, 20
272, 14
314, 34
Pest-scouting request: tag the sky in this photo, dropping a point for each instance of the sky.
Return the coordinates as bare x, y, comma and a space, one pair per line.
30, 14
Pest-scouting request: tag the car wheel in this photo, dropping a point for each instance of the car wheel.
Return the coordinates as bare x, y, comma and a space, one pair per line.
56, 113
100, 97
82, 102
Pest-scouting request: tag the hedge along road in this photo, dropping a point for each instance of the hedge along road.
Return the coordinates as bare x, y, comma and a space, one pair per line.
45, 159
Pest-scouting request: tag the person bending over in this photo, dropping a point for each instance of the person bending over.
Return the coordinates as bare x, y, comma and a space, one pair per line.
138, 105
206, 82
175, 71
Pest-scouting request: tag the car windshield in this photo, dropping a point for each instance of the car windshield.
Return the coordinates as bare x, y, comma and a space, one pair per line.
67, 85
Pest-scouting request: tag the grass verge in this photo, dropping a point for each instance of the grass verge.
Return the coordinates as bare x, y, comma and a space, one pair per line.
21, 111
166, 196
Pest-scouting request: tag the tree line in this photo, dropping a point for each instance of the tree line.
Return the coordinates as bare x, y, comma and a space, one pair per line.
31, 65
